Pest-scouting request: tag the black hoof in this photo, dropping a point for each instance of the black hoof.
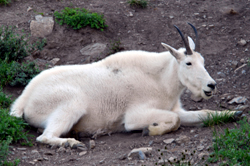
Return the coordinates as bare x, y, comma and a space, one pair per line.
145, 132
238, 115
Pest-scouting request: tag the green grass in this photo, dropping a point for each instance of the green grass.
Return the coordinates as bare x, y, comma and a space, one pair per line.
138, 3
216, 119
232, 148
13, 48
5, 2
114, 47
11, 130
78, 18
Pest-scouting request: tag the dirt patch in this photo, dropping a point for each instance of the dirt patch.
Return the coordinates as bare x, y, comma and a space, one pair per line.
221, 25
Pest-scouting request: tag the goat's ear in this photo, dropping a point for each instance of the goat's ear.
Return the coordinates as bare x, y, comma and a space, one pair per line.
172, 50
191, 43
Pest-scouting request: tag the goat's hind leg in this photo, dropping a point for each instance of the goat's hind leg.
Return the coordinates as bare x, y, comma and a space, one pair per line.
152, 121
60, 122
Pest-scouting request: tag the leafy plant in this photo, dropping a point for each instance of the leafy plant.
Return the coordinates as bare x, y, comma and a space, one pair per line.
78, 18
4, 100
5, 2
14, 47
15, 73
232, 147
215, 119
138, 3
115, 47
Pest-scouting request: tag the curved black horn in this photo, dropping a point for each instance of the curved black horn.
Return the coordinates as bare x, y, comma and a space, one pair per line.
197, 41
189, 52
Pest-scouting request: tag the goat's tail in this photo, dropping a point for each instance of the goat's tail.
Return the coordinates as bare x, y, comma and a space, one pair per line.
17, 108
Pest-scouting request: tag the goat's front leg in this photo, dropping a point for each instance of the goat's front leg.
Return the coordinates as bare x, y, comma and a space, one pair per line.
151, 121
196, 118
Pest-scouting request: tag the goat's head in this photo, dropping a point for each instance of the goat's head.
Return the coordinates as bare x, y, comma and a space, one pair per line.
191, 70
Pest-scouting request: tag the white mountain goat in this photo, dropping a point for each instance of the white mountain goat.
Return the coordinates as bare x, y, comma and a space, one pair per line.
130, 90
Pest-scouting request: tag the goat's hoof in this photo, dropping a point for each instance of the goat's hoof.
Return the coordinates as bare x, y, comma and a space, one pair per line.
238, 115
145, 131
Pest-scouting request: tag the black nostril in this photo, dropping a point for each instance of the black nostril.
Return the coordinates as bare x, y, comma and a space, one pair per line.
212, 86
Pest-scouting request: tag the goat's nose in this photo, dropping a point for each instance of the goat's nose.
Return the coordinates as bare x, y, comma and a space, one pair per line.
212, 85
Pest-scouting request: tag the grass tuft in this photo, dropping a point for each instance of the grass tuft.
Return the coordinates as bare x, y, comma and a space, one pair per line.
5, 2
138, 3
218, 118
232, 147
78, 18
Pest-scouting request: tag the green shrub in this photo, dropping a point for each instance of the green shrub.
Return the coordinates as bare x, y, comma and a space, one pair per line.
5, 2
78, 18
14, 47
138, 3
4, 100
232, 147
16, 74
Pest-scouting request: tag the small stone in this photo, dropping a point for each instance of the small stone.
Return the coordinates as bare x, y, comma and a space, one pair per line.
34, 151
29, 9
22, 149
241, 107
82, 153
61, 149
93, 49
242, 42
92, 144
161, 162
42, 26
221, 75
234, 64
168, 141
238, 100
55, 61
134, 152
196, 14
192, 131
211, 26
130, 14
202, 155
200, 148
101, 162
242, 61
142, 156
172, 159
182, 139
150, 143
123, 156
171, 17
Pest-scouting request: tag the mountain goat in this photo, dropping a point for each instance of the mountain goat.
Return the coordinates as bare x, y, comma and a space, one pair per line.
130, 90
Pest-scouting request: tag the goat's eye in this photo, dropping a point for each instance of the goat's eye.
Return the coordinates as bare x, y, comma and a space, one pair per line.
189, 63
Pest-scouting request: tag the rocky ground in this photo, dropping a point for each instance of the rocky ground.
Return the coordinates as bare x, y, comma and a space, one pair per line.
224, 32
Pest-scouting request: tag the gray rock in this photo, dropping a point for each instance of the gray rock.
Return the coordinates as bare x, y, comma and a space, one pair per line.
172, 159
242, 42
22, 149
42, 26
91, 144
238, 100
196, 99
234, 64
168, 141
142, 156
55, 61
202, 155
162, 162
221, 75
135, 152
241, 107
93, 49
182, 139
200, 148
82, 153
